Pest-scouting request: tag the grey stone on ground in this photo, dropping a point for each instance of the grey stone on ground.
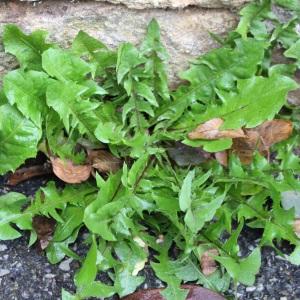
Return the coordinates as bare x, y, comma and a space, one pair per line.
185, 32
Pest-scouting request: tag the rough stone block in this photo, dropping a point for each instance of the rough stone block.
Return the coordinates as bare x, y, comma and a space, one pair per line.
185, 32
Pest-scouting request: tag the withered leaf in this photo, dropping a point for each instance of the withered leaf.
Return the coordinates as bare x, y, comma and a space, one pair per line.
208, 264
104, 161
210, 130
26, 173
195, 293
222, 158
261, 138
68, 172
184, 155
297, 227
44, 228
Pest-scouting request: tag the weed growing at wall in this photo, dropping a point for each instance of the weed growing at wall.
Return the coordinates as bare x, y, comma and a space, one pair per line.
109, 114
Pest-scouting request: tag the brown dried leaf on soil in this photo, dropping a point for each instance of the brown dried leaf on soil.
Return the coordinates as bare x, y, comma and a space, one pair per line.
44, 228
210, 130
27, 173
261, 138
104, 161
68, 172
208, 264
297, 227
222, 158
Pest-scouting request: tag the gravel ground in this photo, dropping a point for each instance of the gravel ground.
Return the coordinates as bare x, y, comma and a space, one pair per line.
26, 274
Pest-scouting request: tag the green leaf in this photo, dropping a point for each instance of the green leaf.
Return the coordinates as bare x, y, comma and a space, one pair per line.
286, 34
258, 99
290, 199
27, 48
27, 90
251, 15
56, 251
88, 270
145, 91
126, 283
75, 112
294, 257
185, 194
73, 217
109, 132
19, 138
85, 44
128, 58
49, 200
64, 65
294, 51
61, 145
202, 211
105, 216
97, 289
290, 4
174, 293
65, 295
245, 270
210, 146
165, 271
156, 55
11, 212
225, 65
136, 170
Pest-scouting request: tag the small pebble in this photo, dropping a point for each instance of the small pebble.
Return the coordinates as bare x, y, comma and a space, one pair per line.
49, 276
260, 288
250, 289
4, 272
25, 295
3, 247
65, 265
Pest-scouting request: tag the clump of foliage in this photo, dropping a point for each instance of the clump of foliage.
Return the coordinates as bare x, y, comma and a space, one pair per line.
67, 102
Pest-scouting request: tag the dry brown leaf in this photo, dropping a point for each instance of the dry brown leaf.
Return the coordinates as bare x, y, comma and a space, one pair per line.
185, 156
208, 264
68, 172
26, 173
210, 130
44, 228
222, 158
104, 161
261, 138
297, 227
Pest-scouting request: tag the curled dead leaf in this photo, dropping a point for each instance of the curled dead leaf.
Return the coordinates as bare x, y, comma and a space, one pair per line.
261, 138
210, 130
195, 293
44, 228
297, 227
104, 161
208, 264
222, 158
68, 172
184, 155
26, 173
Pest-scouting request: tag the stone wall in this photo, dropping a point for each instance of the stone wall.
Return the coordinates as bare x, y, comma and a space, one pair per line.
185, 28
